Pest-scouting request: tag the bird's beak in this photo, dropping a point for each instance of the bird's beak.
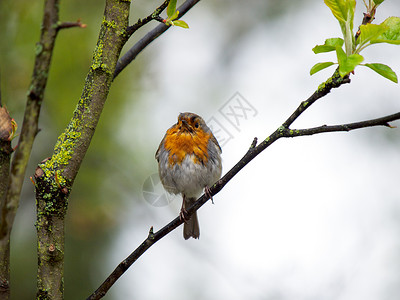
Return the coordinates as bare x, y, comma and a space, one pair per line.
186, 126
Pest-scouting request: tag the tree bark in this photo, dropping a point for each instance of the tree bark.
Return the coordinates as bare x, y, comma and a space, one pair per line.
55, 175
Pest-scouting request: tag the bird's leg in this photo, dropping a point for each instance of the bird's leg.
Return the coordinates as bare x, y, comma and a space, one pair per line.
207, 192
183, 210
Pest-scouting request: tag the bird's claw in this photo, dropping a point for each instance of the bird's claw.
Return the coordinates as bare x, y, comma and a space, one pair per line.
207, 192
182, 214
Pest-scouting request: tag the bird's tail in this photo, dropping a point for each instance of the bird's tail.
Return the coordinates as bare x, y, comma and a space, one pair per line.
191, 227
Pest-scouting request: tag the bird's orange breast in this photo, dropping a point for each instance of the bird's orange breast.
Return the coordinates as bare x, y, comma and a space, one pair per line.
179, 144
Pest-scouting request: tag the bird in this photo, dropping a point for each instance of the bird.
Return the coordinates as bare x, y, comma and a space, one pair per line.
189, 160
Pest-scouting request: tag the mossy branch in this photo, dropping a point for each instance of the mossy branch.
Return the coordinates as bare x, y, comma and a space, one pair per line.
55, 175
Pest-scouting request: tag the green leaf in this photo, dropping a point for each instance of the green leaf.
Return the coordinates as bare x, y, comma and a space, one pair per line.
377, 2
171, 8
392, 34
383, 70
320, 66
181, 23
339, 9
174, 16
334, 42
343, 10
370, 31
323, 48
330, 45
341, 56
347, 63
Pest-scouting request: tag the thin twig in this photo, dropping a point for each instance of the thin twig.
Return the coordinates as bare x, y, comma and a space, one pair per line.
64, 25
155, 15
369, 16
384, 121
253, 144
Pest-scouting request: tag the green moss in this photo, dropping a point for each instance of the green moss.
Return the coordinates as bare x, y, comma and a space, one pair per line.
54, 166
97, 56
53, 200
333, 81
105, 68
52, 189
122, 33
322, 86
110, 24
42, 294
83, 102
97, 62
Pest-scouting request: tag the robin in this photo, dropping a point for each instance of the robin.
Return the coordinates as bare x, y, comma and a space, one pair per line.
189, 160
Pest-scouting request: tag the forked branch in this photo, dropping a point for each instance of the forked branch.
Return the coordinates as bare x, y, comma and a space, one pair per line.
131, 54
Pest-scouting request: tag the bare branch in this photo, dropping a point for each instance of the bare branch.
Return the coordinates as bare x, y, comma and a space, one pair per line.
384, 121
64, 25
154, 16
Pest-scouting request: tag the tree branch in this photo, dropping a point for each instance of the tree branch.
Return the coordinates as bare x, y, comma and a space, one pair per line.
383, 121
64, 25
131, 54
44, 51
55, 175
141, 22
283, 131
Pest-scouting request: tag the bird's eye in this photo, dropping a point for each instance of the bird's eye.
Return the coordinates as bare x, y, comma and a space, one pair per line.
196, 125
